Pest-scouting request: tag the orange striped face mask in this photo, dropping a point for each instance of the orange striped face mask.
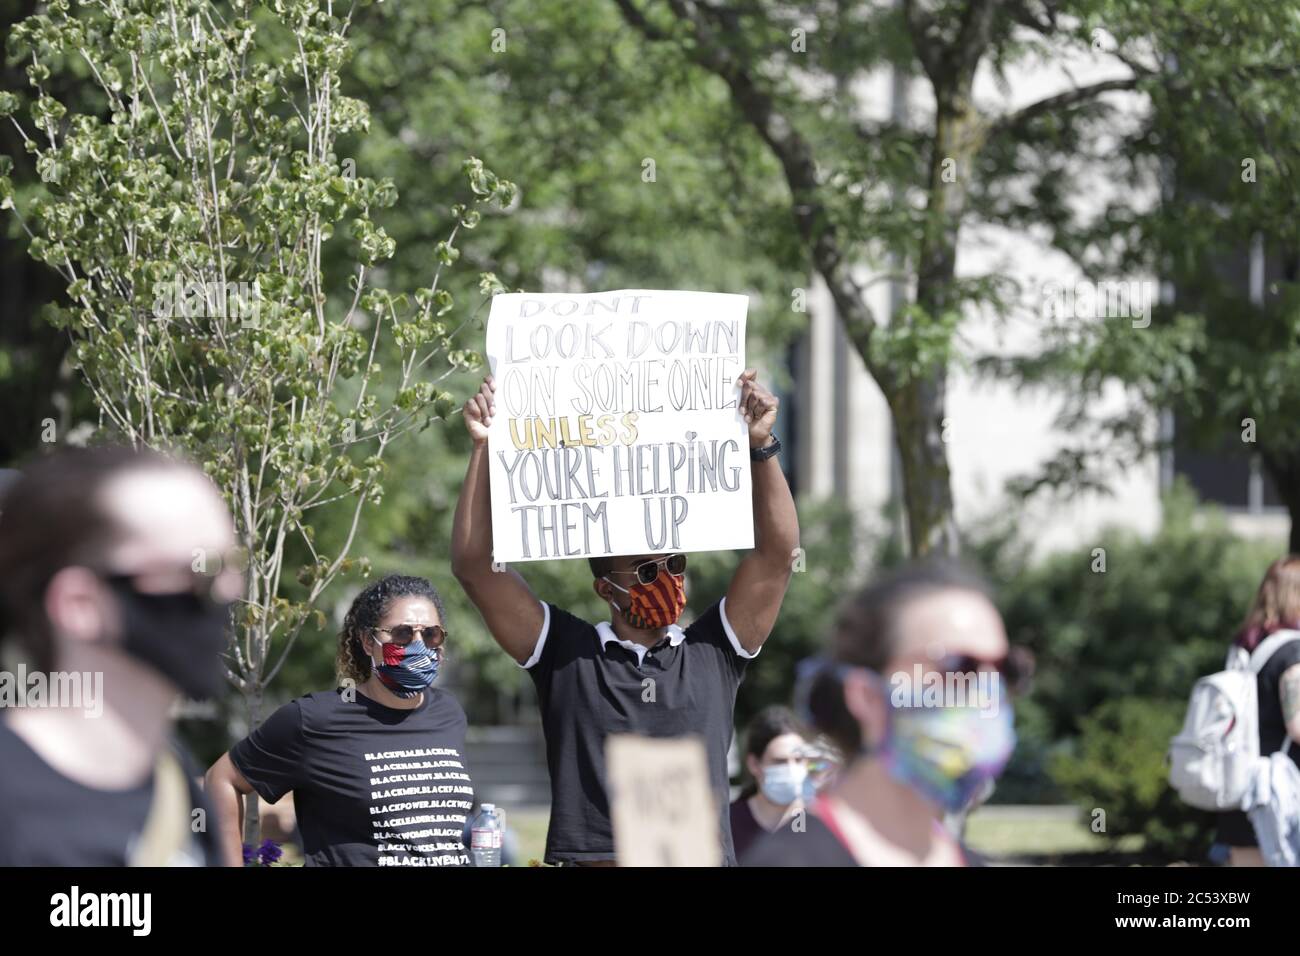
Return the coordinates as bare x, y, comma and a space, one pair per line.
654, 605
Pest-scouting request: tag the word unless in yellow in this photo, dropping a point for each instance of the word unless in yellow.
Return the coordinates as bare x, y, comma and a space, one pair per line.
528, 433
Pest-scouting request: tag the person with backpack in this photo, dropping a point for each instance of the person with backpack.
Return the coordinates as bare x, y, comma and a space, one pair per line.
1240, 717
1275, 614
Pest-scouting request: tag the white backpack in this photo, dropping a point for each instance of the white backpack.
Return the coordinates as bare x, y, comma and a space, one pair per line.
1212, 760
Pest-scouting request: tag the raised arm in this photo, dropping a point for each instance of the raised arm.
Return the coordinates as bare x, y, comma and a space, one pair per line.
755, 595
508, 606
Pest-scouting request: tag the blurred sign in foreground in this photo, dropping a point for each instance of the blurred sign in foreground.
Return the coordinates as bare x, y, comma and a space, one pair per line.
661, 806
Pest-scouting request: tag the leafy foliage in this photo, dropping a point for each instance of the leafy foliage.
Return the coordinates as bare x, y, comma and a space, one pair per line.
1117, 653
188, 213
1119, 768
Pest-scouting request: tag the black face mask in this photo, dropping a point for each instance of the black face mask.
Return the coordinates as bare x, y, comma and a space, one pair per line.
181, 636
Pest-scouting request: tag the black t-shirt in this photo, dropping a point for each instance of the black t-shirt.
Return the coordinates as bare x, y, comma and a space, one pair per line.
815, 844
588, 689
1272, 726
48, 820
372, 785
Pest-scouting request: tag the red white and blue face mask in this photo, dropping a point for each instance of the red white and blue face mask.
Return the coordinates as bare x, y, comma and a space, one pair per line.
407, 669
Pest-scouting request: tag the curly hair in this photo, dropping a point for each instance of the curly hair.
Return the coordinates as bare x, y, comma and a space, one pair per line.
367, 610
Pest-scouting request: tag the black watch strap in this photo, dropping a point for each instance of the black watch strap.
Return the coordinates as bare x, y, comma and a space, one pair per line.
767, 451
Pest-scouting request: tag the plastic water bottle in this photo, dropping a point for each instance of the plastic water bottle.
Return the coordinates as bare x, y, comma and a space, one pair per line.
486, 835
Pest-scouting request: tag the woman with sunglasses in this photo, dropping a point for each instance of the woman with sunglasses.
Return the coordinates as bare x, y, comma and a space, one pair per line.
376, 766
917, 695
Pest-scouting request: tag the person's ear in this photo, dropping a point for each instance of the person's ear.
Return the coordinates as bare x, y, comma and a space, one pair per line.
603, 589
754, 766
864, 700
78, 606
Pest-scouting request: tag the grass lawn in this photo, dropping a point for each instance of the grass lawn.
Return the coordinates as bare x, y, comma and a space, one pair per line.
530, 830
1043, 835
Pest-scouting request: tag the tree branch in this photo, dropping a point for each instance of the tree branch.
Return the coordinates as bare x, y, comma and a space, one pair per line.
1061, 102
972, 39
759, 108
920, 26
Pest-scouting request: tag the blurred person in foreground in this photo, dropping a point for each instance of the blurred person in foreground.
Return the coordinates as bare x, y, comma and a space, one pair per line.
824, 763
1276, 608
97, 548
915, 695
776, 758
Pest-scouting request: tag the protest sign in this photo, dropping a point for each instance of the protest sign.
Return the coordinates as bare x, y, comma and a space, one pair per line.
616, 428
661, 807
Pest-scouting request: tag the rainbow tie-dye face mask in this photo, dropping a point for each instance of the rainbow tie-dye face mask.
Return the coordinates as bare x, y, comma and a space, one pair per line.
948, 753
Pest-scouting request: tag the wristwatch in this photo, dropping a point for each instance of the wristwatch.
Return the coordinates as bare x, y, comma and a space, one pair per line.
767, 451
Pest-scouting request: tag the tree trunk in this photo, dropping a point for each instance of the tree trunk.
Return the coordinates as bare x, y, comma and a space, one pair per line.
918, 401
918, 412
915, 397
1283, 467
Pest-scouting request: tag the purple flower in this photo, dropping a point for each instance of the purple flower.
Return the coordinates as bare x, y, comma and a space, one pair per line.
269, 852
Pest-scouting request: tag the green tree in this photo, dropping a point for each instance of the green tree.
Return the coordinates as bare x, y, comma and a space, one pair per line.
187, 215
894, 194
1222, 143
516, 82
39, 392
574, 130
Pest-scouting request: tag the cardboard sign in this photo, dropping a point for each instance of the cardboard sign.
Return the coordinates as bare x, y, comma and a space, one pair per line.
662, 809
617, 429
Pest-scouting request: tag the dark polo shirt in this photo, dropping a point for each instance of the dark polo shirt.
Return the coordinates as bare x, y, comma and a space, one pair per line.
591, 684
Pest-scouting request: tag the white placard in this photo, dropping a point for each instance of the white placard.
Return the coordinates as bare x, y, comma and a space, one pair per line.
616, 428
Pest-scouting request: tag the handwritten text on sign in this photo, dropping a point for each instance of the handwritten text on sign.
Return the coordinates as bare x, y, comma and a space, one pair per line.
616, 427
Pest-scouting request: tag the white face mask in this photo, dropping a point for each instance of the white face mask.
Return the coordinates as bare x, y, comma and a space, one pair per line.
783, 783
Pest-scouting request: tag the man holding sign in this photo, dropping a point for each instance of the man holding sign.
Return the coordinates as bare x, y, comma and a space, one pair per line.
615, 427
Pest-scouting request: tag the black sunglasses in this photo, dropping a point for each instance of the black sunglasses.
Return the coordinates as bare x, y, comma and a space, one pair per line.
433, 635
647, 571
1016, 668
198, 595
